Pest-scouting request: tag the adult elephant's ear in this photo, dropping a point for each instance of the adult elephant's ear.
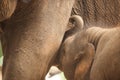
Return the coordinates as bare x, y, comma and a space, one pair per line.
7, 8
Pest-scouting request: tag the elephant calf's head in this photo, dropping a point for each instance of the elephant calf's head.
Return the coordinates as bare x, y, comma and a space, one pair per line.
84, 63
7, 8
76, 55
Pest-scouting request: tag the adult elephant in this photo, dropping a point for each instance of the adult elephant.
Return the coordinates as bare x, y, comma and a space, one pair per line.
32, 35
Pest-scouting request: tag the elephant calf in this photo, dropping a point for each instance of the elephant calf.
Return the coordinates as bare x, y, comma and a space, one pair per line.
77, 56
76, 53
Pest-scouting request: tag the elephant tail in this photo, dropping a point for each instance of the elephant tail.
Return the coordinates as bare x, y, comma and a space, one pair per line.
77, 20
77, 25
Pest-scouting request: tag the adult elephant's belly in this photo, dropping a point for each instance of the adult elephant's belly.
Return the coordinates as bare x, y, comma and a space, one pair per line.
32, 39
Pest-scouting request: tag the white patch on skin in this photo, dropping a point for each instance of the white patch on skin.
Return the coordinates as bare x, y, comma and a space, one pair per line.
58, 75
26, 1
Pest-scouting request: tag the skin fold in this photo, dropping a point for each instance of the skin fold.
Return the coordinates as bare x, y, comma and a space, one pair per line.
100, 61
32, 37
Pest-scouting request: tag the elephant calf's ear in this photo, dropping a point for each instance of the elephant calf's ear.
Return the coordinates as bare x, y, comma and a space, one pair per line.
85, 63
91, 49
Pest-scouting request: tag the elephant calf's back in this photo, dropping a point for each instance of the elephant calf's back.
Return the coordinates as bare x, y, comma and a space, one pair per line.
106, 65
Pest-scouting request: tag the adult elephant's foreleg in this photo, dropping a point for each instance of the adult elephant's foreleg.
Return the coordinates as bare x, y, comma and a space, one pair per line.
31, 42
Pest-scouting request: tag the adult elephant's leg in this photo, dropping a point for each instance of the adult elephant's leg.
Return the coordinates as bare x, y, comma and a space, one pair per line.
33, 35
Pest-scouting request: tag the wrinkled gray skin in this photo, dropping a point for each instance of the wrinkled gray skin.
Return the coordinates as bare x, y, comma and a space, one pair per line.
105, 64
103, 13
32, 35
